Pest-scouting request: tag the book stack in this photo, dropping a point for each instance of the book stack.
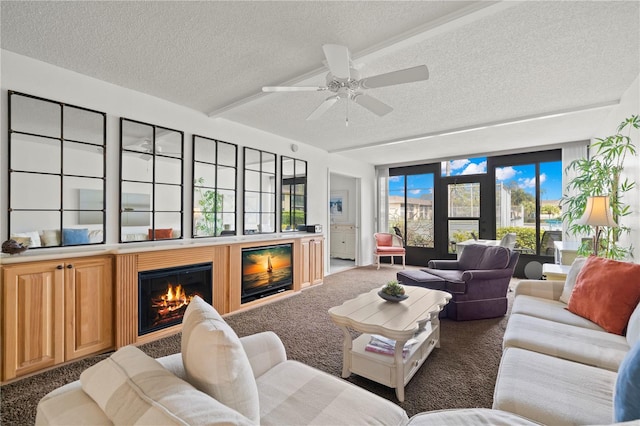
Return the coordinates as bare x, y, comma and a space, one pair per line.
385, 346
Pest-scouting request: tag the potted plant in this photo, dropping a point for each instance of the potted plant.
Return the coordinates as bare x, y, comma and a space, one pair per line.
601, 174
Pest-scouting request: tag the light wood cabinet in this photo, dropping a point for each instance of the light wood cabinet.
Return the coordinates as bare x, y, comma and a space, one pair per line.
343, 241
88, 307
55, 311
312, 265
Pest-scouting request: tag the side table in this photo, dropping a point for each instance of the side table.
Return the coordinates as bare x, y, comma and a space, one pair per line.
555, 272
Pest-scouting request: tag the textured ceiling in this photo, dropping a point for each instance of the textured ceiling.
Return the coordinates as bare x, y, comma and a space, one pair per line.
490, 63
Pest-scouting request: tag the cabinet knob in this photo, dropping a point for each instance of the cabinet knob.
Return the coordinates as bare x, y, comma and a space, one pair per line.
70, 266
59, 267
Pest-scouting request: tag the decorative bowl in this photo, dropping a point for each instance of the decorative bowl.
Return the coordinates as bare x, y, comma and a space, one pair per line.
391, 298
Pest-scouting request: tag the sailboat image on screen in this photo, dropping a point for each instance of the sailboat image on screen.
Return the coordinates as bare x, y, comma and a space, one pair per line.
266, 270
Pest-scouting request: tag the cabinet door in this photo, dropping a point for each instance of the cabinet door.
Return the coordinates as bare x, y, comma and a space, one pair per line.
89, 306
305, 264
33, 318
316, 259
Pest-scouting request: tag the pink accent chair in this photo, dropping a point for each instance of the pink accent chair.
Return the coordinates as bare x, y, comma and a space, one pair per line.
388, 245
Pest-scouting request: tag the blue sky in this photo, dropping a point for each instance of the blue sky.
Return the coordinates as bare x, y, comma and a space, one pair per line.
523, 175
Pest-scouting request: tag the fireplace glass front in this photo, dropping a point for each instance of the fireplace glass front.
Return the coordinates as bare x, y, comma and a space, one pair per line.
164, 294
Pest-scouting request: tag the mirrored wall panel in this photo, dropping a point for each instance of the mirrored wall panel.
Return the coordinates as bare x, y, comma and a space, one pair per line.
151, 182
293, 190
215, 165
56, 173
259, 191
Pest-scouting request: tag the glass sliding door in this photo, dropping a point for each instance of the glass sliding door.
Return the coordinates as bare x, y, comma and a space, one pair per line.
411, 215
528, 189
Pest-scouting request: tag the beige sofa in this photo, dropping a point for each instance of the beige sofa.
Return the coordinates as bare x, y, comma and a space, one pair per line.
132, 388
559, 368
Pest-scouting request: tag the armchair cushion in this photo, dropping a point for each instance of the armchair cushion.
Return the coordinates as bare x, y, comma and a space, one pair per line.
478, 256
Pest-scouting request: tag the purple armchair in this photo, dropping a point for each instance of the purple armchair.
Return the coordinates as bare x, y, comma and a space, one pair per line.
478, 281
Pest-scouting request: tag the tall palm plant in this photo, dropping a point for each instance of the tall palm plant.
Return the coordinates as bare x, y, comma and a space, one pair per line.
601, 174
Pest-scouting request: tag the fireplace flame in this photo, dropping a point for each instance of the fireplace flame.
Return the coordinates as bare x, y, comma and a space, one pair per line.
174, 299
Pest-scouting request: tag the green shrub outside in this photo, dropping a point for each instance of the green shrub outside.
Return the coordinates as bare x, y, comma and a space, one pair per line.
298, 219
525, 237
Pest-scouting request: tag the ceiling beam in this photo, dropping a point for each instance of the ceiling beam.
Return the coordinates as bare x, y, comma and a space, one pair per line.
493, 124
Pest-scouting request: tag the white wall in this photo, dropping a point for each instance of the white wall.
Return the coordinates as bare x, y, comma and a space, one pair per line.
23, 74
629, 105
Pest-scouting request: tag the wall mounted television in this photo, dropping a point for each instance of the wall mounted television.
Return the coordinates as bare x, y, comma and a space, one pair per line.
266, 270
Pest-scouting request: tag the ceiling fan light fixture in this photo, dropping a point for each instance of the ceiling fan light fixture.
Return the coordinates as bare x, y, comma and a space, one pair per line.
344, 80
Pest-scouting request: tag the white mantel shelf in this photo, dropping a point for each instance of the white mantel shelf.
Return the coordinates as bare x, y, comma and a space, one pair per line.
55, 253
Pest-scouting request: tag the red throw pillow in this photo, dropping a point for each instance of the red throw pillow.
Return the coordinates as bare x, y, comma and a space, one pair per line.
161, 233
606, 292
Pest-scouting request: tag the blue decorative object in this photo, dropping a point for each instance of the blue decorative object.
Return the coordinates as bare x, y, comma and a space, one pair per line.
626, 400
74, 237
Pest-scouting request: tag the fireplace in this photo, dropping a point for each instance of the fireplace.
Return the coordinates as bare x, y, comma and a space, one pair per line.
164, 294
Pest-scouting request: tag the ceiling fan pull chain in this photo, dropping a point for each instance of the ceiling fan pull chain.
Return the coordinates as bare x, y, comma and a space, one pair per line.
346, 120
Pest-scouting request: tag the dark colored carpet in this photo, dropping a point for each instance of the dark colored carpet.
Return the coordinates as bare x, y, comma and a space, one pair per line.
461, 373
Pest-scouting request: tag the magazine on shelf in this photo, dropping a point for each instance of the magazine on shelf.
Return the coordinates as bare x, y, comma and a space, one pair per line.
386, 346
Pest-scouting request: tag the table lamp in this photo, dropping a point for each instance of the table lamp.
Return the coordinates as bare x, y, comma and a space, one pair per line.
597, 213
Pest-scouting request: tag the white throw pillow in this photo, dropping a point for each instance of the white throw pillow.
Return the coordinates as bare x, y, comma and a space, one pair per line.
570, 281
34, 236
215, 361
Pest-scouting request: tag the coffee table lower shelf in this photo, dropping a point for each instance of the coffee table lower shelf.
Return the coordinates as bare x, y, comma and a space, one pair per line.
382, 368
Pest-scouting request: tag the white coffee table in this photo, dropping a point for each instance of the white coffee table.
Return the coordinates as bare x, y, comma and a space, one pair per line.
415, 317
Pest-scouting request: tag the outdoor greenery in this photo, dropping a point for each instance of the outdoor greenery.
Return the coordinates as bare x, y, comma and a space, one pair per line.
601, 174
289, 222
210, 203
525, 237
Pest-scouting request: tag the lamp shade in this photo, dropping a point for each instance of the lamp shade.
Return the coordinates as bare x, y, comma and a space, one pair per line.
597, 212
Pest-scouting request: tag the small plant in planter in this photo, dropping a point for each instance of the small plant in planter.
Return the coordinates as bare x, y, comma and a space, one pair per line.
393, 288
601, 175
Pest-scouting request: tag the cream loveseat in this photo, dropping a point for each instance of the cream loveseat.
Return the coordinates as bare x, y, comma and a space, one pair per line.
561, 368
217, 379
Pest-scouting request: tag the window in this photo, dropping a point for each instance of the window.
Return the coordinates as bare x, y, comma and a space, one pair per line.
56, 173
293, 193
465, 166
215, 164
151, 182
528, 194
259, 191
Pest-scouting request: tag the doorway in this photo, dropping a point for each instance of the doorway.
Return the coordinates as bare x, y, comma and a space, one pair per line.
343, 235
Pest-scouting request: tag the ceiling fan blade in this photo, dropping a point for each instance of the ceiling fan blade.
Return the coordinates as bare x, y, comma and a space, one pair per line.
293, 89
338, 60
409, 75
372, 104
324, 106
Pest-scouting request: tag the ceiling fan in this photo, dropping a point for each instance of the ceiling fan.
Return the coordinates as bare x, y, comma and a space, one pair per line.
145, 147
345, 82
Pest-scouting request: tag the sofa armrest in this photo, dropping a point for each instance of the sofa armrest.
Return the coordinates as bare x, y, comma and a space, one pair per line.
443, 264
264, 350
486, 274
546, 289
